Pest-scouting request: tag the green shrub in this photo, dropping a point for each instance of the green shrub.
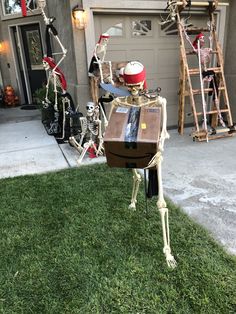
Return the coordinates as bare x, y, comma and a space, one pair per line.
40, 94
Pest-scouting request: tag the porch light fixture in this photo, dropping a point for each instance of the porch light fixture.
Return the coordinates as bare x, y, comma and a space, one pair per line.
2, 47
78, 14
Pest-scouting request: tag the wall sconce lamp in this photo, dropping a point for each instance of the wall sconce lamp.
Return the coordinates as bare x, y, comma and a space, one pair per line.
2, 47
78, 14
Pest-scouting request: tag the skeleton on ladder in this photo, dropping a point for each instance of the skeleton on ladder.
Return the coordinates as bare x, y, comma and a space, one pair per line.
205, 75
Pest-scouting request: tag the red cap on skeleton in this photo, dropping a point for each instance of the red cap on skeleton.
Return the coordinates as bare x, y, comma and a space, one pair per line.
51, 62
198, 37
134, 74
103, 36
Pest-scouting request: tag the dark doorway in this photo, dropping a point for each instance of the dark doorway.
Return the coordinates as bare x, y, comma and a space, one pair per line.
20, 65
33, 52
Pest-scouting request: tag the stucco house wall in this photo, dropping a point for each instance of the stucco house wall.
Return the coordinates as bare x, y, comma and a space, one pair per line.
64, 26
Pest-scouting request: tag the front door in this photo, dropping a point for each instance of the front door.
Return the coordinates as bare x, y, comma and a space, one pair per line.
33, 54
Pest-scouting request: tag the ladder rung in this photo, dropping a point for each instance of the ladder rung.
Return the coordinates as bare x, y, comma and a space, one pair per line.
212, 112
206, 90
195, 31
196, 70
192, 53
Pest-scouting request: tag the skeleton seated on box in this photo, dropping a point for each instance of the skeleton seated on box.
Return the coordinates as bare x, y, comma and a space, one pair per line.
91, 133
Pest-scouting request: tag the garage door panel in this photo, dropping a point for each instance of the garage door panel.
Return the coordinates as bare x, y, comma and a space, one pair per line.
145, 56
114, 26
172, 113
167, 61
169, 83
136, 37
117, 55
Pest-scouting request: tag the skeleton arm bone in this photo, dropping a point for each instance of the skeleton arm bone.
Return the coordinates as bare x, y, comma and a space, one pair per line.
100, 138
187, 36
104, 115
84, 126
53, 31
164, 134
64, 52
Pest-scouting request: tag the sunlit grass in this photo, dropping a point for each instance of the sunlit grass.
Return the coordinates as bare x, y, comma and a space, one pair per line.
69, 244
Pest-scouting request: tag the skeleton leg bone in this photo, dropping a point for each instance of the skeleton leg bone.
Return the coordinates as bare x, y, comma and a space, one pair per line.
161, 205
86, 147
136, 182
74, 143
55, 90
99, 150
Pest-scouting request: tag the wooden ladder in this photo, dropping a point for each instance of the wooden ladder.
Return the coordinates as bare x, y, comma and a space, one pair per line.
215, 130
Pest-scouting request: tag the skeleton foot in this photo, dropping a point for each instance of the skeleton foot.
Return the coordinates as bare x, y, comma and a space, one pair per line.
170, 260
132, 206
100, 149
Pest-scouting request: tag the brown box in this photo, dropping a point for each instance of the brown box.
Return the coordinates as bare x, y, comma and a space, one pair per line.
131, 138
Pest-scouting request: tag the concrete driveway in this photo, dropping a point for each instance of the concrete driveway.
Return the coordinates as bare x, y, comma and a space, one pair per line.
201, 178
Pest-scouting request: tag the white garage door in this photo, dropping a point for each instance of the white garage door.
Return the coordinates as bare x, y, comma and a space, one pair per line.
135, 37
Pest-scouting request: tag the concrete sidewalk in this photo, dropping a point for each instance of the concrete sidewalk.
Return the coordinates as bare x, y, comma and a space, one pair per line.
200, 177
26, 148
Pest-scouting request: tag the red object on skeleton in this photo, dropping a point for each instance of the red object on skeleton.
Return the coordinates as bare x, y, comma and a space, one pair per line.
92, 152
23, 7
51, 62
199, 37
135, 74
102, 37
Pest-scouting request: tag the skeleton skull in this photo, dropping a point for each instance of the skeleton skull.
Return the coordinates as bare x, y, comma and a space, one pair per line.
41, 4
90, 108
46, 65
102, 43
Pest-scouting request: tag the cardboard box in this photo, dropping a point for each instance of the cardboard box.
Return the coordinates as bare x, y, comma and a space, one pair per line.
131, 138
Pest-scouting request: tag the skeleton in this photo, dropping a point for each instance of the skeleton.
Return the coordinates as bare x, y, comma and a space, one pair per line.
137, 99
99, 54
91, 127
204, 58
172, 7
55, 76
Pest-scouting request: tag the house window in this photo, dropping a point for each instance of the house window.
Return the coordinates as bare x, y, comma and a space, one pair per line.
14, 6
141, 28
116, 30
35, 49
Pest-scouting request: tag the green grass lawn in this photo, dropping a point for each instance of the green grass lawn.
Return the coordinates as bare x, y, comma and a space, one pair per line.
69, 244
